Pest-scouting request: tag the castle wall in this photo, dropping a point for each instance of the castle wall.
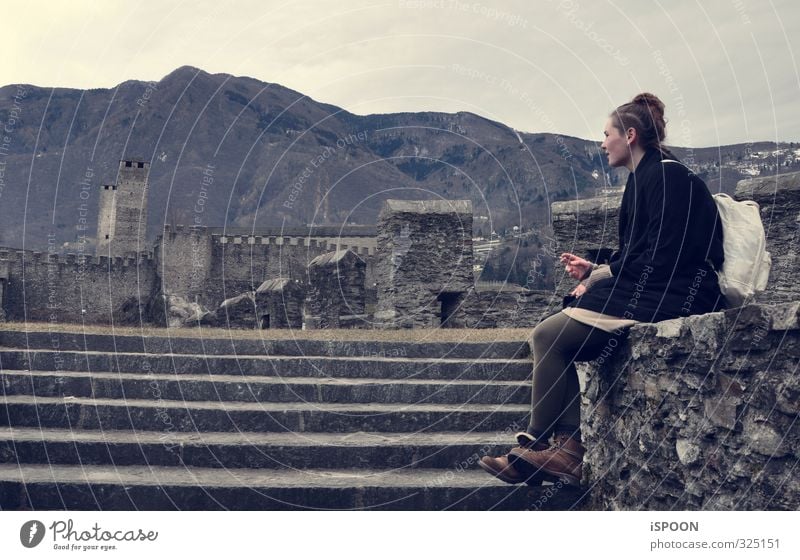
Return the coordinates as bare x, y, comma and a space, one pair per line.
184, 258
697, 413
241, 263
77, 289
584, 228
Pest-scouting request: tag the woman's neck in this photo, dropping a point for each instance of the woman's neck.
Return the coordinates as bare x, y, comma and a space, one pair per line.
637, 153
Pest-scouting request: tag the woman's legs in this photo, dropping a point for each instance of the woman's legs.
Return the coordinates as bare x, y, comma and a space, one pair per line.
557, 342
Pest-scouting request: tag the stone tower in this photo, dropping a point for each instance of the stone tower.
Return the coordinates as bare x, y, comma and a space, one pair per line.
122, 219
423, 269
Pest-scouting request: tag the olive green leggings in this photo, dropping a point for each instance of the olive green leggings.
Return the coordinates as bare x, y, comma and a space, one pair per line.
556, 343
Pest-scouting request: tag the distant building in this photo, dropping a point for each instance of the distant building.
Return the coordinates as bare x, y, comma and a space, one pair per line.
122, 218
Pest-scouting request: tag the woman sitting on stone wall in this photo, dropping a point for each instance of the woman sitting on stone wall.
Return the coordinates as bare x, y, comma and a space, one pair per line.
670, 244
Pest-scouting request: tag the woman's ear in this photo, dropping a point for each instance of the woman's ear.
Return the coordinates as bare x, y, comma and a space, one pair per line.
631, 135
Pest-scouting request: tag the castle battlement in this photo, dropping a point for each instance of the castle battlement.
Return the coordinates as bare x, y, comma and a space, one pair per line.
29, 257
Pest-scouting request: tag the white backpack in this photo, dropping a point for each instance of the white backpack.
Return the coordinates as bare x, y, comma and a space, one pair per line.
747, 261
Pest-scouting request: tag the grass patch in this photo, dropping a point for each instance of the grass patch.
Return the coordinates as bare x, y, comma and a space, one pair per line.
404, 335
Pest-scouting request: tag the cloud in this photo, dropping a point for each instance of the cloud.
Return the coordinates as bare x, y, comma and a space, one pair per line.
730, 69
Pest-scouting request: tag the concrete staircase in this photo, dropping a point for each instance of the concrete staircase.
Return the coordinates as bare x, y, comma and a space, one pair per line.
125, 422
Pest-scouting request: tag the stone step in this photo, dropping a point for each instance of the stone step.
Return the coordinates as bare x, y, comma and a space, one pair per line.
281, 366
51, 487
249, 388
264, 346
457, 451
200, 416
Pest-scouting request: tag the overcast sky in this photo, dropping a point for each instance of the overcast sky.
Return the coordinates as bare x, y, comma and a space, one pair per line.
727, 70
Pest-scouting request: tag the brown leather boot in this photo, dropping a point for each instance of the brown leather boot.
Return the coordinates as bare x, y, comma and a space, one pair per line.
563, 460
501, 468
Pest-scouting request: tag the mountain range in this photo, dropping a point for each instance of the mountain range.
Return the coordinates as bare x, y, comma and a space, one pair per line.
231, 151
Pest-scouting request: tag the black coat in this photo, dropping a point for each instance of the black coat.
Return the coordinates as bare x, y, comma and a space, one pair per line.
670, 235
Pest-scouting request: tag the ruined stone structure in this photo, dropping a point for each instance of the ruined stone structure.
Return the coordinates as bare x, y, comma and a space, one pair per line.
417, 267
122, 220
336, 291
279, 304
209, 265
586, 227
489, 306
424, 259
238, 312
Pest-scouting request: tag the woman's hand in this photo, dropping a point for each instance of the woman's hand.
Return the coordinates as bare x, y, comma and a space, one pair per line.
578, 291
575, 266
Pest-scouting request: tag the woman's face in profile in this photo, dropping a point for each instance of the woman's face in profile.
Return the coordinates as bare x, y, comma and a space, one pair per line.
615, 145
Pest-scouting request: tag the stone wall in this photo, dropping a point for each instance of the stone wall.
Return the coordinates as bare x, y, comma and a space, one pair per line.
779, 200
77, 289
199, 265
492, 307
423, 266
336, 291
697, 413
238, 312
242, 263
583, 226
588, 227
279, 304
183, 257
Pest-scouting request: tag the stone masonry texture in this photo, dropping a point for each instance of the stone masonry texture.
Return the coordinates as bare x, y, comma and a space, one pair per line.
336, 289
121, 227
779, 201
424, 261
697, 413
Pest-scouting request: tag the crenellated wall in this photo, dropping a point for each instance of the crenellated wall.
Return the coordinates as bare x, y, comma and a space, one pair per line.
208, 267
76, 288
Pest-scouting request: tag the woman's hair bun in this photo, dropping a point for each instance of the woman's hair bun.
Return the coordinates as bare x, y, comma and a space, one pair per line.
653, 104
645, 113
